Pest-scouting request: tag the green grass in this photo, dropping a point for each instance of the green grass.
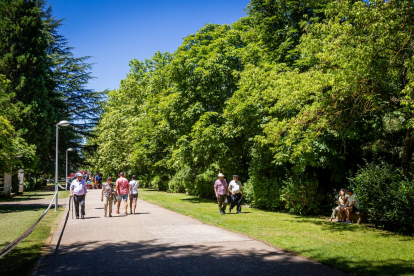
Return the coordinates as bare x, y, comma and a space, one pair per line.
354, 248
15, 219
45, 193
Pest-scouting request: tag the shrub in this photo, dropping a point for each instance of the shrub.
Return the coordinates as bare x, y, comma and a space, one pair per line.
386, 196
28, 185
300, 193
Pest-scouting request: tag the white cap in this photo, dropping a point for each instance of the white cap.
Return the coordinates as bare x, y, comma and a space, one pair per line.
79, 174
220, 174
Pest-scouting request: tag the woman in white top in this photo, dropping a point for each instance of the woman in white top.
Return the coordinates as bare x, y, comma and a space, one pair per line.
341, 200
133, 194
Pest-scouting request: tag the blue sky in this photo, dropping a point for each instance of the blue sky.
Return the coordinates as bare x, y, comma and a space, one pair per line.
114, 32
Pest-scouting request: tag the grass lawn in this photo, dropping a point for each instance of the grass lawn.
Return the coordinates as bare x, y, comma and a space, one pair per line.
354, 248
45, 193
15, 219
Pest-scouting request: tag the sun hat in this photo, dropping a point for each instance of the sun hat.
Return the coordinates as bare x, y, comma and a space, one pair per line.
220, 174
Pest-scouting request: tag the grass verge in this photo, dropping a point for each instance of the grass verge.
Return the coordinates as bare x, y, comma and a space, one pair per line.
353, 248
15, 219
46, 193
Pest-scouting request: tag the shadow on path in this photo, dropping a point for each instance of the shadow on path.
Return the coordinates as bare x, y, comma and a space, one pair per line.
152, 258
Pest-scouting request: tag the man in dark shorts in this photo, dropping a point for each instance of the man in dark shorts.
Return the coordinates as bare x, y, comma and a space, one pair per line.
122, 189
351, 206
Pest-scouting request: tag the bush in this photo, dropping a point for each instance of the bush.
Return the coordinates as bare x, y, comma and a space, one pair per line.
386, 196
300, 192
28, 185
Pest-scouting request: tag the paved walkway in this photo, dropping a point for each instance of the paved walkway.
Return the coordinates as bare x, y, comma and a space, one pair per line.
157, 241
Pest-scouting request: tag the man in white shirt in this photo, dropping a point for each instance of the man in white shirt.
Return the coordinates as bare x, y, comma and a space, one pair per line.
78, 190
236, 190
351, 206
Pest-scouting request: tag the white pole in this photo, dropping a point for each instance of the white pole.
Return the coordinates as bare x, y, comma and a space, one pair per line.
56, 167
61, 123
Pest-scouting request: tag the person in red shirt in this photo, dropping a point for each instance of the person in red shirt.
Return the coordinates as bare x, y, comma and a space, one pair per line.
122, 188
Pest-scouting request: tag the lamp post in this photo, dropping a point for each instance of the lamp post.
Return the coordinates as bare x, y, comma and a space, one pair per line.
61, 123
66, 175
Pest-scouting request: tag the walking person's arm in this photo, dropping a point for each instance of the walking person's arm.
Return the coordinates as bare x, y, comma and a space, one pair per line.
102, 193
71, 189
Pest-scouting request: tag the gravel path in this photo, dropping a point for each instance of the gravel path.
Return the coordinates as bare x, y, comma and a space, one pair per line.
157, 241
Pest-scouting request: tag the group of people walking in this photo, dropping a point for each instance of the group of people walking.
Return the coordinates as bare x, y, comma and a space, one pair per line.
110, 195
234, 190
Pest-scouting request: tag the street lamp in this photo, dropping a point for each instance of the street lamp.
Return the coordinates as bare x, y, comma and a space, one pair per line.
66, 175
61, 123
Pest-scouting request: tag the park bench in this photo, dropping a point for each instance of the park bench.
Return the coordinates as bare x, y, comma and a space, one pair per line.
357, 217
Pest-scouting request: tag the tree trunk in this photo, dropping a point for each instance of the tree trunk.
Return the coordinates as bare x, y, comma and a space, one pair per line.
407, 154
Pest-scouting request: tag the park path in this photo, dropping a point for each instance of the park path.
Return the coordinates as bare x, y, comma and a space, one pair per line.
156, 241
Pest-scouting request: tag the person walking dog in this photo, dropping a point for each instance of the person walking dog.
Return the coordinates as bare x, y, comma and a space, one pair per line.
236, 190
122, 188
78, 191
220, 188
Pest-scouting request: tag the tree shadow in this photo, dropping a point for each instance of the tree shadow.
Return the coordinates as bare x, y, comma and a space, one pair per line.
11, 208
25, 197
152, 257
331, 226
362, 267
20, 260
198, 200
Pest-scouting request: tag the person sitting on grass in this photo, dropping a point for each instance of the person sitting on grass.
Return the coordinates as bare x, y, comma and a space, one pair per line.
351, 206
341, 200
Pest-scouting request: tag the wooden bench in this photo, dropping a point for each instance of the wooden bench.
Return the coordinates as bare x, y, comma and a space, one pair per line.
357, 217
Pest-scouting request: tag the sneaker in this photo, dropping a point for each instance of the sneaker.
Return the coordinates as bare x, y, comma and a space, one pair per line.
339, 220
77, 217
116, 212
82, 216
221, 213
348, 222
126, 214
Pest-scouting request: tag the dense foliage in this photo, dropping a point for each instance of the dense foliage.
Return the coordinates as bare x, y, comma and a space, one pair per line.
292, 98
41, 83
386, 196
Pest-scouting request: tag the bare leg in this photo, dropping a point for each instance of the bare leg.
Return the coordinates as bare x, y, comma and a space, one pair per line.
135, 205
347, 213
130, 204
118, 205
126, 207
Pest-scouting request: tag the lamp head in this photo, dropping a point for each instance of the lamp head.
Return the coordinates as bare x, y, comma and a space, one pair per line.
63, 123
69, 149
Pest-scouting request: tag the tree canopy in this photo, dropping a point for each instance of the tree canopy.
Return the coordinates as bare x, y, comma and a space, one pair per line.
295, 98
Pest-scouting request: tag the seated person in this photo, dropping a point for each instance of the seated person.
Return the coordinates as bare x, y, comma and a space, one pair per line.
351, 206
341, 203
